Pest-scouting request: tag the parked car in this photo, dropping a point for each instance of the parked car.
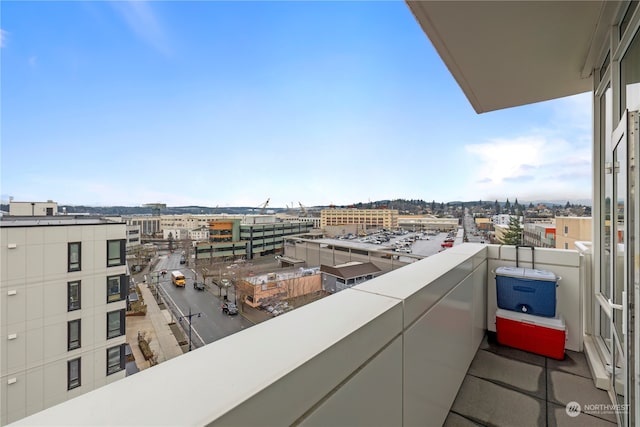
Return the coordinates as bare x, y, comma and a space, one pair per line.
229, 308
199, 286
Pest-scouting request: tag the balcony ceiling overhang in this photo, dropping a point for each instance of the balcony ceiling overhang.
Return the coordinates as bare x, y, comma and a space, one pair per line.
510, 53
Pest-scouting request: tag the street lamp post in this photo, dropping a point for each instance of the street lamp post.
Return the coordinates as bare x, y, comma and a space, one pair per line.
189, 316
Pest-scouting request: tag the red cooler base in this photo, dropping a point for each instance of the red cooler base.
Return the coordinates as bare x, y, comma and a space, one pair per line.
540, 335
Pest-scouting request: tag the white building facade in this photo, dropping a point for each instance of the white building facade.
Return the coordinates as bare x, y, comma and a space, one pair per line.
63, 286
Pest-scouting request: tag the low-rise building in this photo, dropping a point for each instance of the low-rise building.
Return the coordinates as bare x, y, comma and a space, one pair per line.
427, 223
199, 234
338, 277
48, 208
570, 230
271, 288
149, 225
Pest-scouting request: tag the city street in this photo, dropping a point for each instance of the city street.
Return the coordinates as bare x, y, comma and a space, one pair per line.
212, 324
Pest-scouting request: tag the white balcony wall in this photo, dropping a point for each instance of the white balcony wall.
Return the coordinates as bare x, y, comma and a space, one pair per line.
391, 351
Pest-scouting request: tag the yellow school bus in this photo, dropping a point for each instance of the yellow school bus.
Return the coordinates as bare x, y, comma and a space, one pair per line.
177, 278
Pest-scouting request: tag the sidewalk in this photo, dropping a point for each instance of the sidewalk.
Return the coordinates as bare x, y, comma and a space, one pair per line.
155, 327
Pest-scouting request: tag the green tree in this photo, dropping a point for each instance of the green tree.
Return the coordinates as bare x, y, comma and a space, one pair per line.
170, 239
513, 236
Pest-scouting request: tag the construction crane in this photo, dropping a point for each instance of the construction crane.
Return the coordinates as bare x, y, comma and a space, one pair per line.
303, 210
263, 207
156, 208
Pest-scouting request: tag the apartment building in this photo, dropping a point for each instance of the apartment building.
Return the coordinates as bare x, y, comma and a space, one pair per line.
63, 285
371, 218
570, 230
539, 234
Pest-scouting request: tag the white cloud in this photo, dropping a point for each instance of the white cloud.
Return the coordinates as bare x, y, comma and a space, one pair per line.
3, 37
553, 161
33, 61
507, 159
142, 20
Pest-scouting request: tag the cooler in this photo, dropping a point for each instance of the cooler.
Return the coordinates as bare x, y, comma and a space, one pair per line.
526, 290
541, 335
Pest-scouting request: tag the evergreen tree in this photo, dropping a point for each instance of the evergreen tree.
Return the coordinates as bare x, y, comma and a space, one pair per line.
513, 236
433, 206
496, 207
170, 239
531, 205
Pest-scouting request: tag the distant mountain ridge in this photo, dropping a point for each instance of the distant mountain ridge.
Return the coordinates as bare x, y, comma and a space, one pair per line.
400, 204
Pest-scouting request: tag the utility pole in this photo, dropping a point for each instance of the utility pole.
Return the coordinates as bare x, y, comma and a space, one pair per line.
189, 316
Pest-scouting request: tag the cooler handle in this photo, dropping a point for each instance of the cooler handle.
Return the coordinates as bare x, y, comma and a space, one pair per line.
533, 265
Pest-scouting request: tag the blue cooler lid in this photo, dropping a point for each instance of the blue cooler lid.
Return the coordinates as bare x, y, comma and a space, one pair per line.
526, 273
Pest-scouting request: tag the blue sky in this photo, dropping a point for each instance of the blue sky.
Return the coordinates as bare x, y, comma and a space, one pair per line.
233, 103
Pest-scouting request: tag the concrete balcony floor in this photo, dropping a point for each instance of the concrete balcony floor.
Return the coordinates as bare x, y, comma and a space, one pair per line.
509, 387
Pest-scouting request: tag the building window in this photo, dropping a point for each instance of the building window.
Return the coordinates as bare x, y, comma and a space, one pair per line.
566, 246
73, 334
74, 252
115, 323
73, 295
116, 288
73, 373
115, 252
115, 359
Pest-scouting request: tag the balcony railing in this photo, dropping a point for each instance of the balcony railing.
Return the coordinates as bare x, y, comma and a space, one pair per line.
392, 351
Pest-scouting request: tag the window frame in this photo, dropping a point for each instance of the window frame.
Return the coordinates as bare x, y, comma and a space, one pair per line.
70, 344
113, 261
70, 305
120, 331
112, 369
74, 266
74, 382
123, 284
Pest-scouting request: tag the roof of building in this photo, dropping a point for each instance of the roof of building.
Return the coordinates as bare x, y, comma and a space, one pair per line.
40, 221
350, 270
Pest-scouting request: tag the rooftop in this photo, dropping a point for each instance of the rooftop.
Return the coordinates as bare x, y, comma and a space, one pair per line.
37, 221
